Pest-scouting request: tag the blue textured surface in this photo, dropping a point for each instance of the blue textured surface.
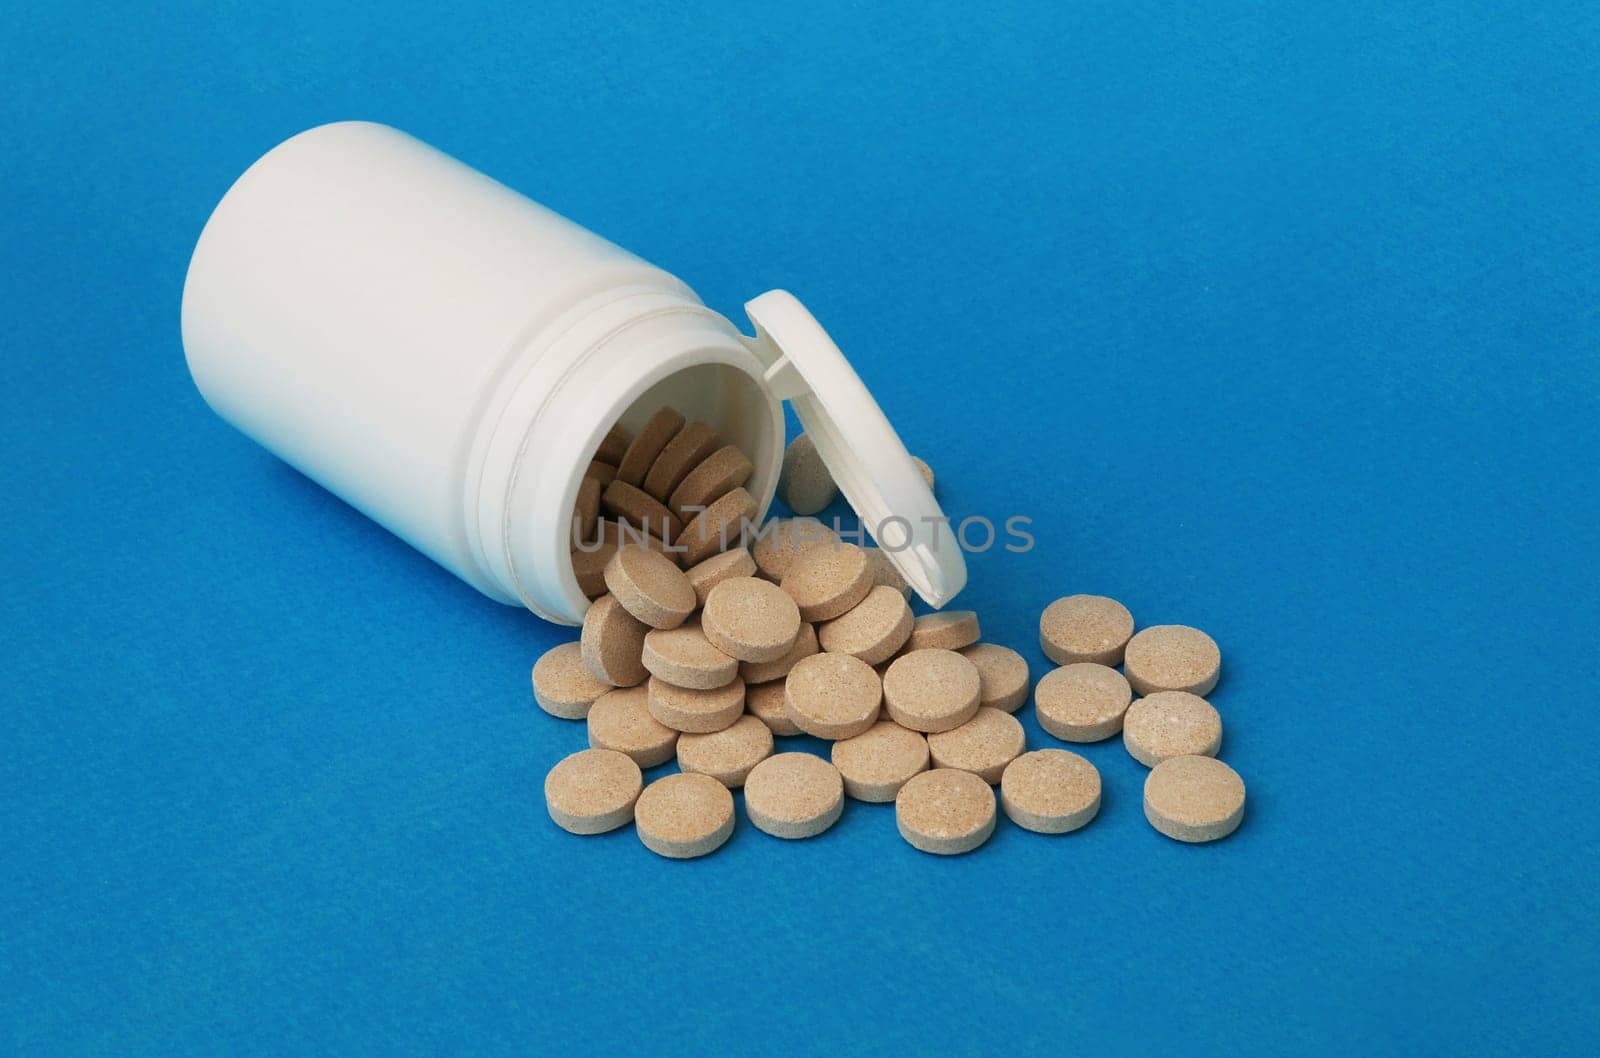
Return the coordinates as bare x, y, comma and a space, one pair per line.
1278, 321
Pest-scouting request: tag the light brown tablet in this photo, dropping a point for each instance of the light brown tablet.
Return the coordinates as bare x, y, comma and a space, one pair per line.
931, 690
983, 745
647, 444
703, 576
592, 791
717, 528
1170, 724
1172, 658
1085, 628
924, 469
945, 811
695, 712
621, 720
765, 701
1194, 799
805, 483
880, 760
949, 630
1003, 679
650, 586
684, 815
750, 619
794, 795
612, 640
872, 630
782, 540
586, 513
717, 475
1050, 791
1084, 702
562, 685
638, 508
805, 645
604, 473
613, 446
827, 581
727, 755
589, 566
684, 657
833, 695
682, 454
884, 572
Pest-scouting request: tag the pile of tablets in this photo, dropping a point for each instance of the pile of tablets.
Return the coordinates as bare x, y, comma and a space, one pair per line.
701, 648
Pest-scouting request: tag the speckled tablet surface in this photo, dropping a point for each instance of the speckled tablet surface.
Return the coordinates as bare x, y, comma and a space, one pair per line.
1050, 791
794, 795
1171, 724
1194, 799
592, 791
683, 816
563, 685
1172, 658
1085, 628
945, 811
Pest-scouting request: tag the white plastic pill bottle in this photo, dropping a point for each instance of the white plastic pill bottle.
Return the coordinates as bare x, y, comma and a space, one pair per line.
446, 355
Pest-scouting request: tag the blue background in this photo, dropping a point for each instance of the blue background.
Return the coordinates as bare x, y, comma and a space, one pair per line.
1278, 320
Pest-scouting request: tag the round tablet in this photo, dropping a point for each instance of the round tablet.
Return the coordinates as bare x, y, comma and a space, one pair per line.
589, 563
647, 444
717, 528
592, 791
1085, 628
1170, 724
682, 454
750, 619
950, 630
1194, 799
1003, 679
805, 484
1084, 702
924, 469
612, 641
805, 645
931, 690
872, 630
765, 702
613, 446
884, 572
650, 586
832, 695
1050, 791
703, 576
880, 760
794, 795
563, 685
620, 720
717, 475
684, 815
783, 539
945, 811
684, 657
727, 755
983, 745
586, 513
638, 508
827, 581
695, 711
1172, 658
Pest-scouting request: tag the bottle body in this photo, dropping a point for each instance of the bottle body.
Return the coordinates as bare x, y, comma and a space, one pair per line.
445, 354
